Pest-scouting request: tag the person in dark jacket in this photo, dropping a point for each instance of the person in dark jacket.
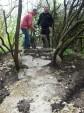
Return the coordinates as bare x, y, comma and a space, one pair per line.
45, 21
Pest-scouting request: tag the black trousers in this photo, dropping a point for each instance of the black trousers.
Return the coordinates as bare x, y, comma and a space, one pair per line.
46, 32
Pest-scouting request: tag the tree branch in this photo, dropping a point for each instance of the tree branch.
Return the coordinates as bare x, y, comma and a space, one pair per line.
11, 11
48, 3
71, 28
2, 49
65, 13
4, 43
69, 41
76, 13
7, 33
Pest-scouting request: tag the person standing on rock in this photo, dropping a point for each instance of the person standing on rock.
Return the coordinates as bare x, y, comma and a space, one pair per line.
45, 21
26, 24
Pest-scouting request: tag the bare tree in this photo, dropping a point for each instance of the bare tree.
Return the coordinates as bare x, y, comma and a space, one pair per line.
72, 26
14, 52
17, 35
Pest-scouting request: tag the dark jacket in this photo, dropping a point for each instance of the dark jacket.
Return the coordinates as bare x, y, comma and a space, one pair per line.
45, 20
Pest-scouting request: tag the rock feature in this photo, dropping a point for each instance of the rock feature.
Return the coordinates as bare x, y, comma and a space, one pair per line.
23, 106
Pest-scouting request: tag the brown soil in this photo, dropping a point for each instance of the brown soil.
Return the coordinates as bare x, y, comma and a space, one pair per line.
73, 74
8, 75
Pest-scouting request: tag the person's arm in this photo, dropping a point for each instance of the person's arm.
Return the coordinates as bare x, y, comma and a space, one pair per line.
50, 24
39, 20
32, 28
51, 20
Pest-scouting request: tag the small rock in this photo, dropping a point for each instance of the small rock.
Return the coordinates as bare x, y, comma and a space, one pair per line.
57, 105
3, 93
73, 66
60, 80
58, 59
24, 66
64, 103
23, 106
66, 87
69, 76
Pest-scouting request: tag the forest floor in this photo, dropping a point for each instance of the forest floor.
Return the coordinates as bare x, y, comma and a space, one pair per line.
39, 86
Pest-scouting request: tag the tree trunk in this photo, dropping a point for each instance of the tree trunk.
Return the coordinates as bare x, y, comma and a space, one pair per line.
62, 46
16, 60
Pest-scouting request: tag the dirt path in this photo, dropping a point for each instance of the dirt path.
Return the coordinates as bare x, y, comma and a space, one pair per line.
36, 84
41, 86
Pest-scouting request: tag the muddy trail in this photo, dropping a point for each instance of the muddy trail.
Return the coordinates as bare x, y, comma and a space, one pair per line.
39, 86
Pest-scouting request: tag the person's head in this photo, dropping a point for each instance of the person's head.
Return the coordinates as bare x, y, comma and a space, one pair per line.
46, 9
34, 12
